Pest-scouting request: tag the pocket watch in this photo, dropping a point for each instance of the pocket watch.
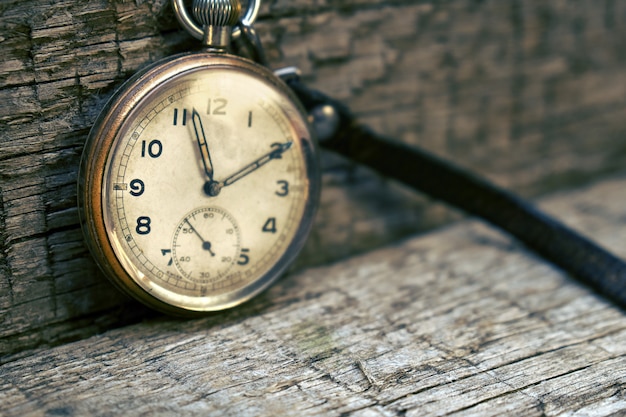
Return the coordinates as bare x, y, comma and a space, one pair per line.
199, 180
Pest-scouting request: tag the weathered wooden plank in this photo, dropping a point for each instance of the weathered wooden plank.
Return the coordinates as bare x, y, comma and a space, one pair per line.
531, 94
462, 321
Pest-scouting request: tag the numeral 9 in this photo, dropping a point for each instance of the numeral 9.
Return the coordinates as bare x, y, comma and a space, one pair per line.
136, 187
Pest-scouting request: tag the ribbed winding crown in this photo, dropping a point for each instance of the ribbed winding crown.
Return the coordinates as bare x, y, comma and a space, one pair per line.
217, 13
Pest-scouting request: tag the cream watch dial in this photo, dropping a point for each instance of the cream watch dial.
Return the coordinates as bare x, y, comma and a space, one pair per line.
209, 184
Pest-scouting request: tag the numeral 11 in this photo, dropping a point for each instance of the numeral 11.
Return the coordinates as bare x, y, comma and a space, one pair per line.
183, 118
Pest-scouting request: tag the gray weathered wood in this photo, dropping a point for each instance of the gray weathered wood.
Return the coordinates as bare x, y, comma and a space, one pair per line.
459, 322
530, 93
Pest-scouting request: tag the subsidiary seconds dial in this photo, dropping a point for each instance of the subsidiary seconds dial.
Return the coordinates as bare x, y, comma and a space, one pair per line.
206, 245
200, 183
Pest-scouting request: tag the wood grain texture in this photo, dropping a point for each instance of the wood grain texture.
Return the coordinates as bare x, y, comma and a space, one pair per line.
462, 321
531, 94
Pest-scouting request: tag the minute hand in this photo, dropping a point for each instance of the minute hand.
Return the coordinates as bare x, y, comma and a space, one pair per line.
253, 166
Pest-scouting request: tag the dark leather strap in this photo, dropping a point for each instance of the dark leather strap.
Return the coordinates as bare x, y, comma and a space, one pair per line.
565, 248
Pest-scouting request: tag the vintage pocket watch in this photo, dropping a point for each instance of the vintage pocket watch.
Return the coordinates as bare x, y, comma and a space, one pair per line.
199, 180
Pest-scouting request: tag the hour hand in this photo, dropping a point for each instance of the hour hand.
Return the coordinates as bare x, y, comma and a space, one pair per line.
202, 143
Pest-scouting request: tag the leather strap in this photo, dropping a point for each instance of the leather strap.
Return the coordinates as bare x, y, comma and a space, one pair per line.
565, 248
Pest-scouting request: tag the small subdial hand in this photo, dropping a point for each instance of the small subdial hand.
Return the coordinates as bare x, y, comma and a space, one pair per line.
275, 153
206, 245
204, 151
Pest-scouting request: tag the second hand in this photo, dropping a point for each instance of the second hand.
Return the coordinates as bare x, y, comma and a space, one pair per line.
206, 245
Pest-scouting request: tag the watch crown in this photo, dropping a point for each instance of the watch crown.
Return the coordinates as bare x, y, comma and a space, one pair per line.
217, 12
217, 18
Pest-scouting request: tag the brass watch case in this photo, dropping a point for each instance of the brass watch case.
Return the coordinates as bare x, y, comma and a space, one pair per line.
105, 132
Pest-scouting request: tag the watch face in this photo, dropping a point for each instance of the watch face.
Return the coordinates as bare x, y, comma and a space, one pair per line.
205, 175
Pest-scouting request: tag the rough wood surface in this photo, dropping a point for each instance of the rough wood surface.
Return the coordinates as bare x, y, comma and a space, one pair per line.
529, 93
459, 322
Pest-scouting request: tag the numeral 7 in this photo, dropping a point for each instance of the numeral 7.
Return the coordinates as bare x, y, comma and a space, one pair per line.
164, 252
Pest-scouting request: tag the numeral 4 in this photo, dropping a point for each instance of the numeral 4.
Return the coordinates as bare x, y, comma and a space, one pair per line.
270, 225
